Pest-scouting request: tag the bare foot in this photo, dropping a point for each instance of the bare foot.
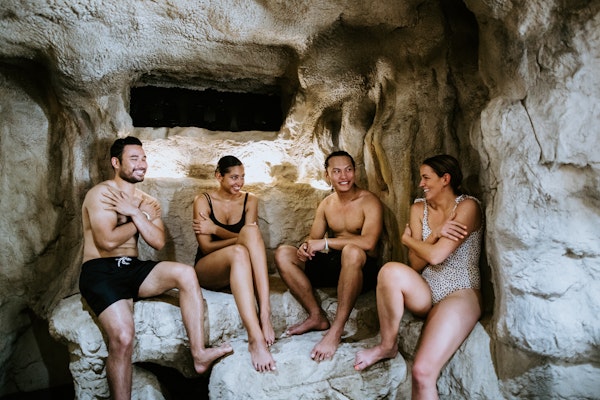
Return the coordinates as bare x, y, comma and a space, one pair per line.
327, 347
207, 356
267, 329
312, 323
262, 360
366, 358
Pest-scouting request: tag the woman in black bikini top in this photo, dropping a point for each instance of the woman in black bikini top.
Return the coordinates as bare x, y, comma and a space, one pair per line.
231, 253
235, 228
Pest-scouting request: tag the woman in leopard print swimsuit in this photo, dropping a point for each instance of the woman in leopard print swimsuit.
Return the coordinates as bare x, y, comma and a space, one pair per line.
442, 283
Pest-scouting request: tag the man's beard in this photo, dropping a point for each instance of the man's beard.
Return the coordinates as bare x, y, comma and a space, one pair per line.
130, 178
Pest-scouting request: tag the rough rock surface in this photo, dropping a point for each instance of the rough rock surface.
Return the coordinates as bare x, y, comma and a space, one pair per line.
510, 87
161, 339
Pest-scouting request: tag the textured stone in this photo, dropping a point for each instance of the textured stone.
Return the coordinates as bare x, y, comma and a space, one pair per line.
161, 339
510, 87
299, 377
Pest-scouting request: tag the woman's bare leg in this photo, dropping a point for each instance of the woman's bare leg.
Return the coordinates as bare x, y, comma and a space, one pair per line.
231, 265
448, 324
397, 286
251, 237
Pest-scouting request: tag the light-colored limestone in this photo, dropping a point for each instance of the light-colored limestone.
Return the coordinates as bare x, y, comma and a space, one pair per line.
511, 87
161, 339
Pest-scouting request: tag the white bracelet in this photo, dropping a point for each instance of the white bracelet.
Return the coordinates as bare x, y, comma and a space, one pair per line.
147, 215
326, 249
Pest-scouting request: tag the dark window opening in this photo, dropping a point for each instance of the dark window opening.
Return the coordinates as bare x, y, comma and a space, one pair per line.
156, 107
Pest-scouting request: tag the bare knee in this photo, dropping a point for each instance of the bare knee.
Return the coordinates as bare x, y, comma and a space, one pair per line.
238, 253
121, 342
250, 229
284, 257
423, 374
353, 257
392, 274
185, 277
250, 233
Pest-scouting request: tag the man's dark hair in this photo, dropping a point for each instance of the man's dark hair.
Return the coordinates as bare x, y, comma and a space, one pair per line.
116, 150
226, 163
339, 153
446, 164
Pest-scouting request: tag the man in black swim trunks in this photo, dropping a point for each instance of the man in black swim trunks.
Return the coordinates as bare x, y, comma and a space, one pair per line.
115, 214
346, 259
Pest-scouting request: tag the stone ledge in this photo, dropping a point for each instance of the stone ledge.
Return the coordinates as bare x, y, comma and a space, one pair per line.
299, 377
161, 339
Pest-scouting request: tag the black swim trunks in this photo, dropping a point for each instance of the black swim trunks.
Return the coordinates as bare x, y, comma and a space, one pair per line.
324, 270
104, 281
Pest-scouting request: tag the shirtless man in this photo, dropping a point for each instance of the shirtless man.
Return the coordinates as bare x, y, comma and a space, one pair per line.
114, 215
346, 258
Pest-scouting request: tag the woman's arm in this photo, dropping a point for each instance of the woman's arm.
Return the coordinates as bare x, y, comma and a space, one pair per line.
251, 210
434, 252
204, 228
414, 229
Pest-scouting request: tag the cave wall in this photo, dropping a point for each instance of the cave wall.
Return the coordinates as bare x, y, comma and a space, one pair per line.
537, 138
510, 88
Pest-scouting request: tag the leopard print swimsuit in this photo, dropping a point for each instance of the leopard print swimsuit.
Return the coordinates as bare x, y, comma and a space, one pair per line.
461, 269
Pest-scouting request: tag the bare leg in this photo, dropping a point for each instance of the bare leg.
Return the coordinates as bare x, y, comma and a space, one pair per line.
349, 287
243, 292
167, 275
232, 265
251, 237
117, 322
397, 285
447, 326
292, 273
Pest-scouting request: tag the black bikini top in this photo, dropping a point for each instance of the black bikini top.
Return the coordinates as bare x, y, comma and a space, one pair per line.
235, 228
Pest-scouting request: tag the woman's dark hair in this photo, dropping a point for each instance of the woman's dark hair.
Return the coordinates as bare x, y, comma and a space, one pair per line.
339, 153
116, 150
446, 164
225, 164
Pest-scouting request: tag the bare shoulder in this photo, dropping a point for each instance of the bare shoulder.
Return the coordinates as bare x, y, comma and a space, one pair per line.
369, 198
200, 198
469, 212
96, 191
252, 200
469, 205
417, 207
252, 196
328, 199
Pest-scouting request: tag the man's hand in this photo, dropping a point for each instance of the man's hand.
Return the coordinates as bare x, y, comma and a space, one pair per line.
305, 252
120, 202
151, 207
204, 226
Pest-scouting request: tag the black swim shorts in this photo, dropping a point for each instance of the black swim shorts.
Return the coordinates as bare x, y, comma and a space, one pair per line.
104, 281
324, 270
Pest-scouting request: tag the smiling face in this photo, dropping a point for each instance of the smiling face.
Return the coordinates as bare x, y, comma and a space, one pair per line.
132, 166
233, 180
340, 172
431, 183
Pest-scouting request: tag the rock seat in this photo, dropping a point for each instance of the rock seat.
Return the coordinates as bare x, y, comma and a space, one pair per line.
161, 339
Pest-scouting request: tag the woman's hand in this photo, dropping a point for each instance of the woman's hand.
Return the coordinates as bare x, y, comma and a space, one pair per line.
452, 229
204, 226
